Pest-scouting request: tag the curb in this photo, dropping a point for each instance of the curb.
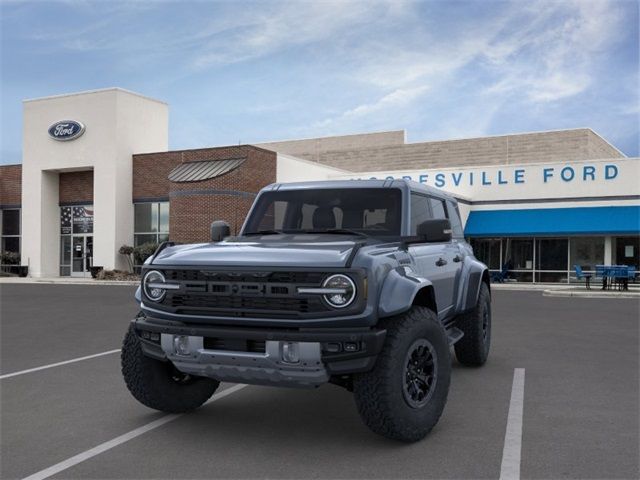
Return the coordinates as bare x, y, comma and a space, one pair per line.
116, 283
560, 293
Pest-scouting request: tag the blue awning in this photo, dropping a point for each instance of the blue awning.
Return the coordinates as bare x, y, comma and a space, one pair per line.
554, 221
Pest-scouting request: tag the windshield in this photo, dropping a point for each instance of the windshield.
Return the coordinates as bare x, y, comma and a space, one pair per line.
370, 211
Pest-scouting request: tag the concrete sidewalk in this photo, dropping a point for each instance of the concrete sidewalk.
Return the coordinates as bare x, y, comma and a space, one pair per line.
67, 281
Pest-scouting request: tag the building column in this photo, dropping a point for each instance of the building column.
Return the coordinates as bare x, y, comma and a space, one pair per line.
40, 222
113, 214
608, 251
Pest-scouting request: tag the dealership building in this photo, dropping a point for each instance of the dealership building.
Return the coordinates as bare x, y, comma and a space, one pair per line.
97, 174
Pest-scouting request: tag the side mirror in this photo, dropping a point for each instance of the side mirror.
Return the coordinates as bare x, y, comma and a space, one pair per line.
219, 230
435, 230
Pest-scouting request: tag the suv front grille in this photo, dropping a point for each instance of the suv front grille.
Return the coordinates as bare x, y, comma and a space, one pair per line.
252, 294
246, 303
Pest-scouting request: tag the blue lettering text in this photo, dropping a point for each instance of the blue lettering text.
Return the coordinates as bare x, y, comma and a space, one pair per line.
548, 173
569, 174
519, 176
589, 171
610, 172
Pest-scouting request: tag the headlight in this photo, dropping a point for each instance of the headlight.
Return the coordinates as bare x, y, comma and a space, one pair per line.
152, 285
343, 291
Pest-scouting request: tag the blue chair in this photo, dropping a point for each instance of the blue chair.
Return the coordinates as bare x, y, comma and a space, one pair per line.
580, 275
502, 275
601, 272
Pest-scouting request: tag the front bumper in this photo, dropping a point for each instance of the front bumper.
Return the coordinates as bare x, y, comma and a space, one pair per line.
315, 367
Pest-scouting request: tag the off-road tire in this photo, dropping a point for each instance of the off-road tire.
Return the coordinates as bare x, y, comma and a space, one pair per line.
152, 381
379, 393
473, 348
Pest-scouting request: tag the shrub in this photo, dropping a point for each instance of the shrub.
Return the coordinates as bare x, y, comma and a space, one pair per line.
127, 251
9, 258
116, 275
144, 251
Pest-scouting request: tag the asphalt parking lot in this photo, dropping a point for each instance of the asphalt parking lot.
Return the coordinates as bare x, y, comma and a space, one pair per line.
581, 397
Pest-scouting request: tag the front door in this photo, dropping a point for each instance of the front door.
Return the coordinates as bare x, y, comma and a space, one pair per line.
438, 263
81, 255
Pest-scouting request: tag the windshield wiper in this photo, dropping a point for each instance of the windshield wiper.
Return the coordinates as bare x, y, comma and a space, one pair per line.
337, 231
263, 232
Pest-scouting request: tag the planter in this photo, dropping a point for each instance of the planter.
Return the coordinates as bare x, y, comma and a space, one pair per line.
95, 270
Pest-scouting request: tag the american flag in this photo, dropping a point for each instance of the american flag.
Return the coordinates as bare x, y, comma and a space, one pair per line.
83, 212
65, 219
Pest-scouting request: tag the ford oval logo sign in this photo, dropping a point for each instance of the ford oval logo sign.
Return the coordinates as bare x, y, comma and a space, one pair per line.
66, 130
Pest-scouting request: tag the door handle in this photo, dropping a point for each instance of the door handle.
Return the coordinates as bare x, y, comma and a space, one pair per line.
457, 258
441, 262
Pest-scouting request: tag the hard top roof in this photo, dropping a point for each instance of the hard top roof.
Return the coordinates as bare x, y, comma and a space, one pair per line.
368, 183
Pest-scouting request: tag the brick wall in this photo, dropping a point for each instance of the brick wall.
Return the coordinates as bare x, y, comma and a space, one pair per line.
555, 146
10, 185
314, 148
76, 187
194, 205
598, 147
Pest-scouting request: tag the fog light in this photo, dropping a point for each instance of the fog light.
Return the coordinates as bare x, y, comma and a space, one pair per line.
290, 352
181, 345
351, 347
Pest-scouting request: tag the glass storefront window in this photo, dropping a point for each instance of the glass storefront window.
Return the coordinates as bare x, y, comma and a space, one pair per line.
551, 277
10, 222
146, 217
11, 244
586, 252
141, 239
82, 220
10, 231
518, 253
65, 250
151, 223
487, 250
76, 240
627, 250
551, 253
163, 223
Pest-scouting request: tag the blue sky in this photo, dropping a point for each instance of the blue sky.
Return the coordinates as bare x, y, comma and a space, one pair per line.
257, 71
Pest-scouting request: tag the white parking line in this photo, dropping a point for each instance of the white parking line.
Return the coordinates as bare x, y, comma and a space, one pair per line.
103, 447
51, 365
510, 468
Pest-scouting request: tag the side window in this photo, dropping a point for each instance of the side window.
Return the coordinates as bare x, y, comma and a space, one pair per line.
419, 211
454, 218
306, 222
438, 208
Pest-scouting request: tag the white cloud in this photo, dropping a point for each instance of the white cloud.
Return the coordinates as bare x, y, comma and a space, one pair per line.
396, 99
552, 58
288, 24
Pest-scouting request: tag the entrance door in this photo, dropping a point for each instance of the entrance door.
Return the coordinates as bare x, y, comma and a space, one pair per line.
81, 255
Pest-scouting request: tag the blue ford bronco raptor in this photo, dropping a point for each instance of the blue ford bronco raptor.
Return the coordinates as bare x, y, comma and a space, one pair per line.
365, 284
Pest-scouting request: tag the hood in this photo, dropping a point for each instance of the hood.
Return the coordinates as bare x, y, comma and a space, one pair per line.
277, 251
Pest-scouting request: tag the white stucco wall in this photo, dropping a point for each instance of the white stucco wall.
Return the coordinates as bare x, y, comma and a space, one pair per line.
292, 169
585, 183
118, 123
